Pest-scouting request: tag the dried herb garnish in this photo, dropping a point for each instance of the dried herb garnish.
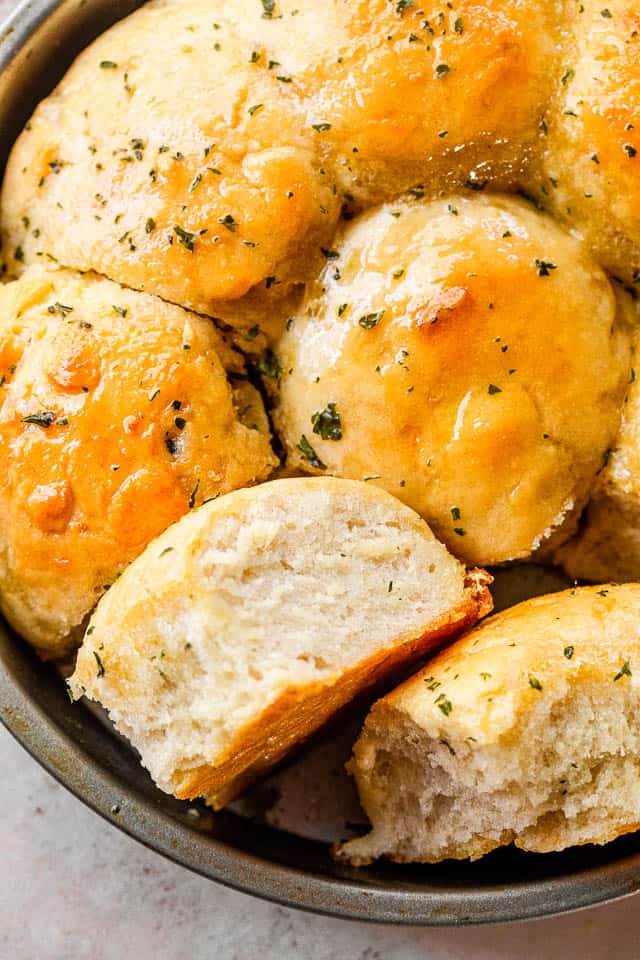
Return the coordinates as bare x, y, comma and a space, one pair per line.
327, 423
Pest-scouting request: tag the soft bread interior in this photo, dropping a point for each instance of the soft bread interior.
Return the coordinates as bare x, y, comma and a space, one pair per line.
251, 621
569, 775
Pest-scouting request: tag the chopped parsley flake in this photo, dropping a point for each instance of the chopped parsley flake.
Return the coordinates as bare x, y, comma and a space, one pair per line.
624, 671
184, 237
268, 364
327, 424
445, 705
59, 308
44, 419
309, 454
228, 222
568, 652
100, 672
370, 320
544, 267
535, 683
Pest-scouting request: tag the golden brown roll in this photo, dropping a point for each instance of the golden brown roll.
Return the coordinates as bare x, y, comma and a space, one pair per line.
590, 173
116, 417
468, 356
408, 95
169, 160
525, 731
254, 619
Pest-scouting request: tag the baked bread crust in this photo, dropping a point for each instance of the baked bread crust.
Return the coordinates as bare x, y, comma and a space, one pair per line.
169, 161
417, 96
524, 731
477, 360
587, 174
249, 623
117, 417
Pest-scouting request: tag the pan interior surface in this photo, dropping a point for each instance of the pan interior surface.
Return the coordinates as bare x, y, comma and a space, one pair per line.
264, 845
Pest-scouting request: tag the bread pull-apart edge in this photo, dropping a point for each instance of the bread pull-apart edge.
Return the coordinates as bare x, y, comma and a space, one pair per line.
302, 710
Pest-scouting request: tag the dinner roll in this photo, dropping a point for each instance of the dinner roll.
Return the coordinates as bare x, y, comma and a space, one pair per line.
116, 417
468, 356
411, 95
526, 731
607, 544
590, 173
170, 161
244, 627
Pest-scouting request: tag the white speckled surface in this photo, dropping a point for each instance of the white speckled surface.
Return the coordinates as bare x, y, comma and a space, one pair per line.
74, 888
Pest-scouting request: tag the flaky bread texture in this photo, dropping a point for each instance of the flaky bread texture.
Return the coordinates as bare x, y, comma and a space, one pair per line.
118, 414
246, 625
525, 731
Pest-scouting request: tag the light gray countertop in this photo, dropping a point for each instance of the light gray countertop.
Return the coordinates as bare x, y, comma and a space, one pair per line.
74, 888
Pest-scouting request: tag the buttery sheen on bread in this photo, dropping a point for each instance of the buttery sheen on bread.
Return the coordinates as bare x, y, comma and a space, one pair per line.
423, 96
525, 731
118, 413
171, 159
588, 174
467, 355
199, 149
246, 625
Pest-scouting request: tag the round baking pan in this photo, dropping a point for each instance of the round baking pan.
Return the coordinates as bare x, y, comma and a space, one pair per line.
249, 853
